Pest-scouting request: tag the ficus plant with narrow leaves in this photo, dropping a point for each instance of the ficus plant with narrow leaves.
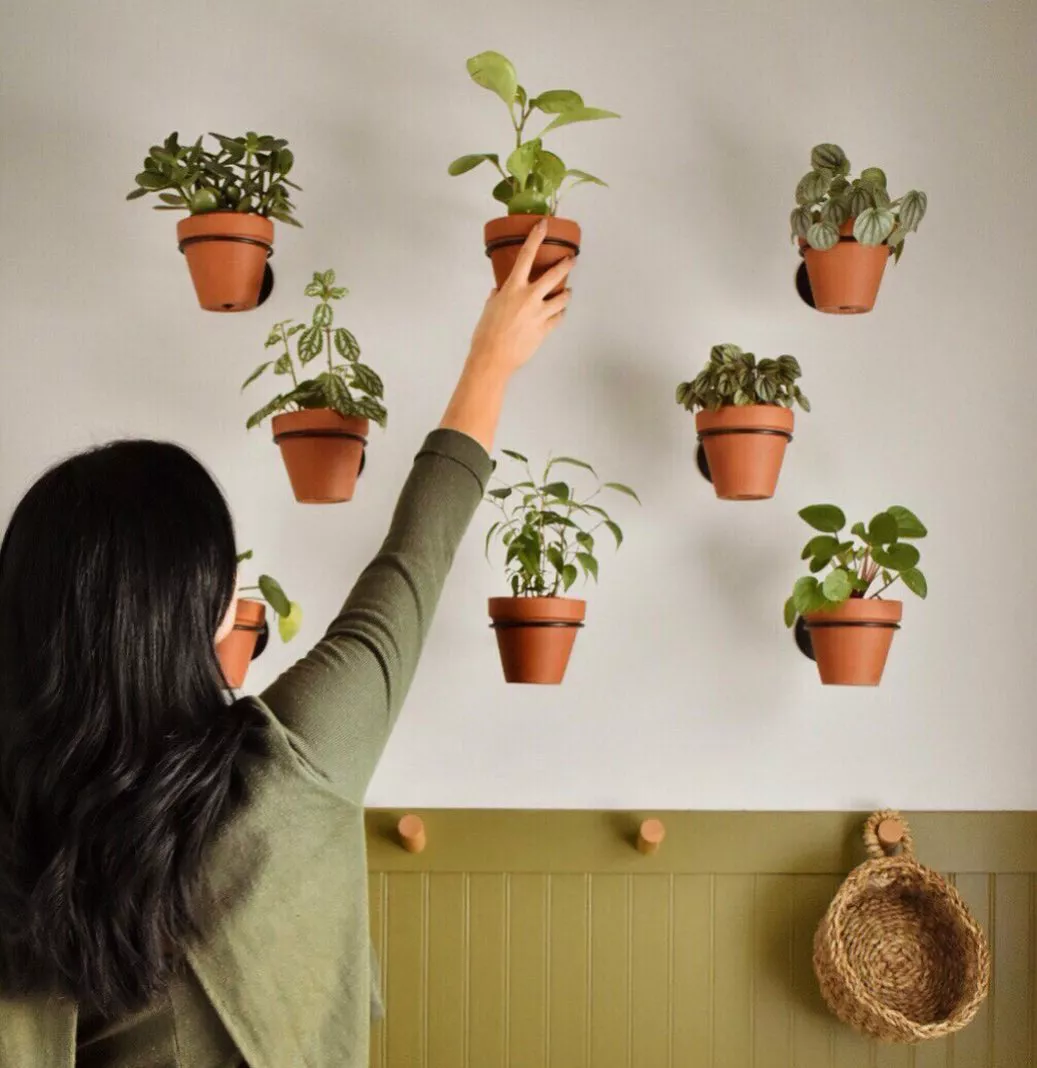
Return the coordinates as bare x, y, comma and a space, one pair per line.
289, 613
248, 174
532, 179
346, 385
827, 196
732, 376
853, 563
549, 531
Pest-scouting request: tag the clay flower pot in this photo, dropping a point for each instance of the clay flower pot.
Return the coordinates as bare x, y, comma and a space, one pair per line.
535, 636
323, 453
226, 254
504, 237
237, 650
745, 446
845, 279
851, 642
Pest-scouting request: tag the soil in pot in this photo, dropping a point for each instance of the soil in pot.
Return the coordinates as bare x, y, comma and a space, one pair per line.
505, 236
322, 452
535, 636
235, 652
226, 253
851, 642
745, 447
845, 279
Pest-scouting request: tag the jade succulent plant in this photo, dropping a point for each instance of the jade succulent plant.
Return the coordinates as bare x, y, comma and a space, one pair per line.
532, 179
247, 174
732, 376
548, 530
288, 612
852, 563
346, 385
827, 197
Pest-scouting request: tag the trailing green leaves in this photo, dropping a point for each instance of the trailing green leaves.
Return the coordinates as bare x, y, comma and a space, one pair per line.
548, 529
827, 199
348, 386
288, 612
732, 376
873, 553
532, 180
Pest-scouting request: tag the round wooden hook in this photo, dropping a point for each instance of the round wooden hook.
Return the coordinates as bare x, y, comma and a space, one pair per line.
650, 836
411, 830
890, 833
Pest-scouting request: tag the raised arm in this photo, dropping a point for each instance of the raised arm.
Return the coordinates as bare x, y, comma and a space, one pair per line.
342, 699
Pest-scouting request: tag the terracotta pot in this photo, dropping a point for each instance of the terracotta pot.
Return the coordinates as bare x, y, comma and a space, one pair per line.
851, 642
236, 651
745, 447
504, 238
535, 636
226, 254
323, 453
845, 279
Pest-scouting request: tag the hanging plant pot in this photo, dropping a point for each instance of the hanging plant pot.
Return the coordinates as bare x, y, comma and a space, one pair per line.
242, 645
851, 642
745, 447
506, 236
845, 279
323, 453
535, 636
226, 253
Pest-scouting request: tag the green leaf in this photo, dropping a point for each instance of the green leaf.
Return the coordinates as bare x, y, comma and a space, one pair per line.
555, 558
914, 580
860, 200
522, 161
246, 555
913, 207
807, 595
583, 176
616, 532
569, 575
882, 529
505, 190
347, 345
800, 221
323, 315
256, 373
311, 342
874, 225
557, 489
275, 596
899, 557
489, 535
463, 164
823, 236
837, 586
495, 72
829, 157
812, 187
529, 202
550, 171
137, 194
367, 379
836, 211
621, 488
556, 101
288, 626
824, 545
824, 517
283, 365
572, 462
582, 114
860, 531
874, 176
589, 564
790, 612
501, 494
515, 456
908, 524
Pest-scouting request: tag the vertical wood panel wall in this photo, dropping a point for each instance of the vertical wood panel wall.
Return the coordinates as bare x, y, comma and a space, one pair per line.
544, 940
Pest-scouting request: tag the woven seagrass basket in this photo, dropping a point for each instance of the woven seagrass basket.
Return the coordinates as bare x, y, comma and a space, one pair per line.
898, 955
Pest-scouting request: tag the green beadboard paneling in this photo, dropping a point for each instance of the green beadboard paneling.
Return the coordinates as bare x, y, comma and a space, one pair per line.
545, 940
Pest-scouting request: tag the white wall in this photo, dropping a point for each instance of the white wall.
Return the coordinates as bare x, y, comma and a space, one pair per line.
685, 689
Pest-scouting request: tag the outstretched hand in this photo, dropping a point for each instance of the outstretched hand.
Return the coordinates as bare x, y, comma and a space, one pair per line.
518, 316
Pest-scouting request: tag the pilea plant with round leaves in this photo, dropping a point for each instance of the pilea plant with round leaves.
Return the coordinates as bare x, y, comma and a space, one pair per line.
346, 386
288, 612
532, 178
548, 530
245, 174
827, 197
882, 550
732, 376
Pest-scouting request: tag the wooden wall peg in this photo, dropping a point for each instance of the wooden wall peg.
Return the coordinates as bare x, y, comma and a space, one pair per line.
649, 836
411, 830
890, 833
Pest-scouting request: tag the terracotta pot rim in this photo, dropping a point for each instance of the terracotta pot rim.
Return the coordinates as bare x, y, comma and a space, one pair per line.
229, 225
746, 419
566, 611
858, 611
319, 423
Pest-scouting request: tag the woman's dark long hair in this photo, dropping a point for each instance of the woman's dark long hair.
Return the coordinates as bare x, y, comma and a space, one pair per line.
117, 743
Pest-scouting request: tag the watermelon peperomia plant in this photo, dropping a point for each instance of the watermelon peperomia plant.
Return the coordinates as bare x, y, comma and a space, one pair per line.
732, 376
880, 549
532, 177
826, 198
289, 614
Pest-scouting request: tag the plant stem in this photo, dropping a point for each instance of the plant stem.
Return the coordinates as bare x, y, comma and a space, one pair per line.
877, 593
288, 353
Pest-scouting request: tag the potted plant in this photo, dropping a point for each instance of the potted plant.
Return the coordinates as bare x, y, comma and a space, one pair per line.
846, 228
548, 534
745, 419
850, 629
239, 648
532, 179
231, 194
323, 421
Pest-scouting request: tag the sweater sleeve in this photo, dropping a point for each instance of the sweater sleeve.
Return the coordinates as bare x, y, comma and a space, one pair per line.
341, 700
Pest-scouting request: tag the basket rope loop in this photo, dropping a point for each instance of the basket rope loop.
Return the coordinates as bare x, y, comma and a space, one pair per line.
876, 850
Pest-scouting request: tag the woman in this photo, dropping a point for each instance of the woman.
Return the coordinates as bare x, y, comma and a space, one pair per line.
183, 882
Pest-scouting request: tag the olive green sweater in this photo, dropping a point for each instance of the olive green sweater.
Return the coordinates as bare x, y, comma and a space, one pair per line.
282, 978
